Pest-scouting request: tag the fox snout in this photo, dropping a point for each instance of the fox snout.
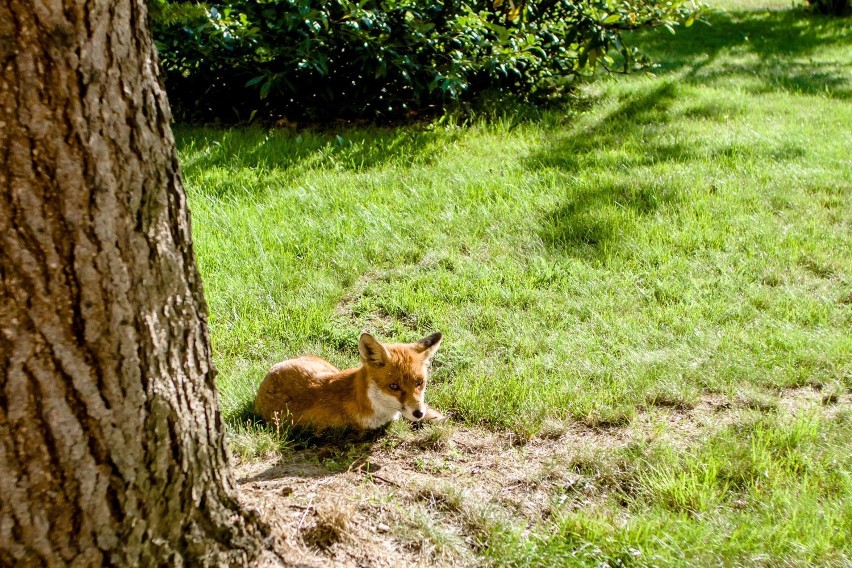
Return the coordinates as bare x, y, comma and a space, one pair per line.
414, 413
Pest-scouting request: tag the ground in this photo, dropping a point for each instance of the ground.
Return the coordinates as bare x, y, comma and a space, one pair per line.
430, 496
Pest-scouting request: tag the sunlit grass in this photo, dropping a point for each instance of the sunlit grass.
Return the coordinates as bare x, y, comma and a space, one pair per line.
769, 491
691, 229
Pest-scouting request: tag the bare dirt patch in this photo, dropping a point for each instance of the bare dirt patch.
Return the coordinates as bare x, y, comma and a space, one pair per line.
429, 496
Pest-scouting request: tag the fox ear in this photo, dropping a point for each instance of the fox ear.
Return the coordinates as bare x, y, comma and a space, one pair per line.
429, 345
372, 352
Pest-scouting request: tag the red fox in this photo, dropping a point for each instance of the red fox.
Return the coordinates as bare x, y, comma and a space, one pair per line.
391, 380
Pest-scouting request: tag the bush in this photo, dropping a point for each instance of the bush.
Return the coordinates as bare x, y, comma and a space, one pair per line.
385, 60
831, 7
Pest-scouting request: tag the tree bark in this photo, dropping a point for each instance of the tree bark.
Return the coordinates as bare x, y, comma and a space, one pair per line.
112, 448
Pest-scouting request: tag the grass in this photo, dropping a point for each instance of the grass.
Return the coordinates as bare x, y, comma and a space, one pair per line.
766, 492
677, 236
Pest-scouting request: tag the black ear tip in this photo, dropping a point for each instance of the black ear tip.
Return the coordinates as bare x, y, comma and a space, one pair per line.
431, 340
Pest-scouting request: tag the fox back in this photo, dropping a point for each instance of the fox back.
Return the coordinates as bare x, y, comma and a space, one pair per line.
390, 382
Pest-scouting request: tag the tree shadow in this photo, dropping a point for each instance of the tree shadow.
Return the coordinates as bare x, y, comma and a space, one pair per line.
322, 457
782, 44
595, 217
638, 117
322, 454
281, 150
591, 219
585, 225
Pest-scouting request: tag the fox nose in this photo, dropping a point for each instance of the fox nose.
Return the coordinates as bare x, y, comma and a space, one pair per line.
418, 414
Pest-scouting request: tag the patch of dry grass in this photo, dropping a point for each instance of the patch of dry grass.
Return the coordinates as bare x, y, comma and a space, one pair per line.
455, 495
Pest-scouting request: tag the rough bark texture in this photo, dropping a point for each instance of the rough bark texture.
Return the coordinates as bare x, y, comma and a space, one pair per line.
112, 449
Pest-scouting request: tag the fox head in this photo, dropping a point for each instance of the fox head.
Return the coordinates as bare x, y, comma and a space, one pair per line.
398, 374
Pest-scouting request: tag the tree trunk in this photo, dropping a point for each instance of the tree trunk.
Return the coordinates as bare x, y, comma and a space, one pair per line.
112, 448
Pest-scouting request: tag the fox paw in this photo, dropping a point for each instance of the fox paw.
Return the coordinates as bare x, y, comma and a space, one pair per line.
433, 415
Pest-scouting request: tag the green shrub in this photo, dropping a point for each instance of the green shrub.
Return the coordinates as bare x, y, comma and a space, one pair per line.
305, 59
831, 7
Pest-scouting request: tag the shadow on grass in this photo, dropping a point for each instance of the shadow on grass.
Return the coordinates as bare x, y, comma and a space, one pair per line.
582, 226
322, 456
782, 43
351, 149
305, 452
637, 120
591, 220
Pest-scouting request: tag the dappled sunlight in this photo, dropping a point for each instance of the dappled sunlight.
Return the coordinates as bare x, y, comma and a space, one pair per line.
272, 150
760, 51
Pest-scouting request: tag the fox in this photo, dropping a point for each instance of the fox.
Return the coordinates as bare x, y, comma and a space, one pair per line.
391, 381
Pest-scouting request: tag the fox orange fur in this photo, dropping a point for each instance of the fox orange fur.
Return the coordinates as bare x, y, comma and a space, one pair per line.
390, 382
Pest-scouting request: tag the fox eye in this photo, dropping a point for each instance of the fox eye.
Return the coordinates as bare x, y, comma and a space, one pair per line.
419, 384
394, 386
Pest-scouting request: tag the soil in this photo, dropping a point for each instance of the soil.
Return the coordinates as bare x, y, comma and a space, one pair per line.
423, 497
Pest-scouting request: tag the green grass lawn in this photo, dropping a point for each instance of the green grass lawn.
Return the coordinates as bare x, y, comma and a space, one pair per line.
673, 237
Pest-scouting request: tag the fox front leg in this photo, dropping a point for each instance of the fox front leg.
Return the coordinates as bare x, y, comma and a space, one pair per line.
433, 415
